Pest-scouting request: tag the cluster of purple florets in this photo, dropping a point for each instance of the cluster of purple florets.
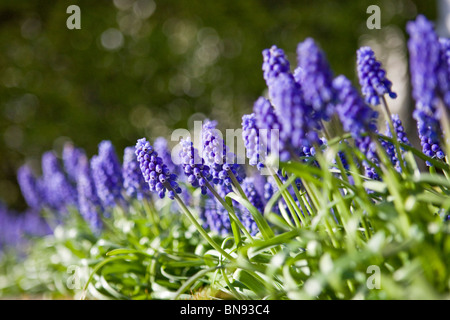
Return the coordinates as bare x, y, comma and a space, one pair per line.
430, 82
17, 228
372, 77
290, 123
316, 77
222, 163
93, 186
298, 103
155, 171
107, 174
133, 180
251, 139
198, 174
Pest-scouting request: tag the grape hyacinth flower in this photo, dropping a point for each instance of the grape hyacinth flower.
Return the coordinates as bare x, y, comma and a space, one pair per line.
259, 181
58, 191
430, 146
372, 77
256, 200
3, 226
270, 188
30, 187
107, 175
355, 115
155, 171
298, 74
444, 71
308, 151
71, 157
193, 166
315, 77
133, 180
425, 65
399, 129
10, 235
296, 117
424, 50
357, 118
401, 136
344, 161
16, 227
251, 139
390, 151
221, 162
33, 224
89, 203
161, 146
266, 119
275, 63
368, 148
214, 216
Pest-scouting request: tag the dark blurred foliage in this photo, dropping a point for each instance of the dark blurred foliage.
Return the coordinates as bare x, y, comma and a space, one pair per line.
143, 67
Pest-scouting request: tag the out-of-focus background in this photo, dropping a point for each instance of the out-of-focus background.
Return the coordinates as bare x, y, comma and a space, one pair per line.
145, 67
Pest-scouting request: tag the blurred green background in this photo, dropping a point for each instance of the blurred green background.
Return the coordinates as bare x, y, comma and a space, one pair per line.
144, 67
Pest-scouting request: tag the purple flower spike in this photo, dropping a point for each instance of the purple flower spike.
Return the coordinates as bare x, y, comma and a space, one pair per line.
275, 63
251, 138
194, 167
372, 77
71, 157
215, 217
368, 148
399, 129
248, 186
155, 171
315, 77
295, 116
133, 180
161, 146
30, 187
424, 51
107, 175
444, 71
217, 157
89, 203
429, 74
58, 191
355, 115
267, 119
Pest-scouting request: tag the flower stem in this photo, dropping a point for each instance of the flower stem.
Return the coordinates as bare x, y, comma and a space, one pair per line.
201, 230
154, 219
229, 209
445, 124
288, 199
237, 185
338, 158
302, 203
388, 116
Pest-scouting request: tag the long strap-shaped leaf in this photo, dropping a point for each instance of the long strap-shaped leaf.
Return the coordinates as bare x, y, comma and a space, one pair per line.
262, 224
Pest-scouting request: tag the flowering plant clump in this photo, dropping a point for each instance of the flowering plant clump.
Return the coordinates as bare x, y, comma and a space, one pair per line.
305, 219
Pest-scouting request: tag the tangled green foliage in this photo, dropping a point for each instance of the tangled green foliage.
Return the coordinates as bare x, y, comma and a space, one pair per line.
154, 252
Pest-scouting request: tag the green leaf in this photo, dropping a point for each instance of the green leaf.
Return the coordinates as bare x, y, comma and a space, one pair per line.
250, 282
432, 179
103, 263
189, 282
127, 251
377, 186
262, 224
